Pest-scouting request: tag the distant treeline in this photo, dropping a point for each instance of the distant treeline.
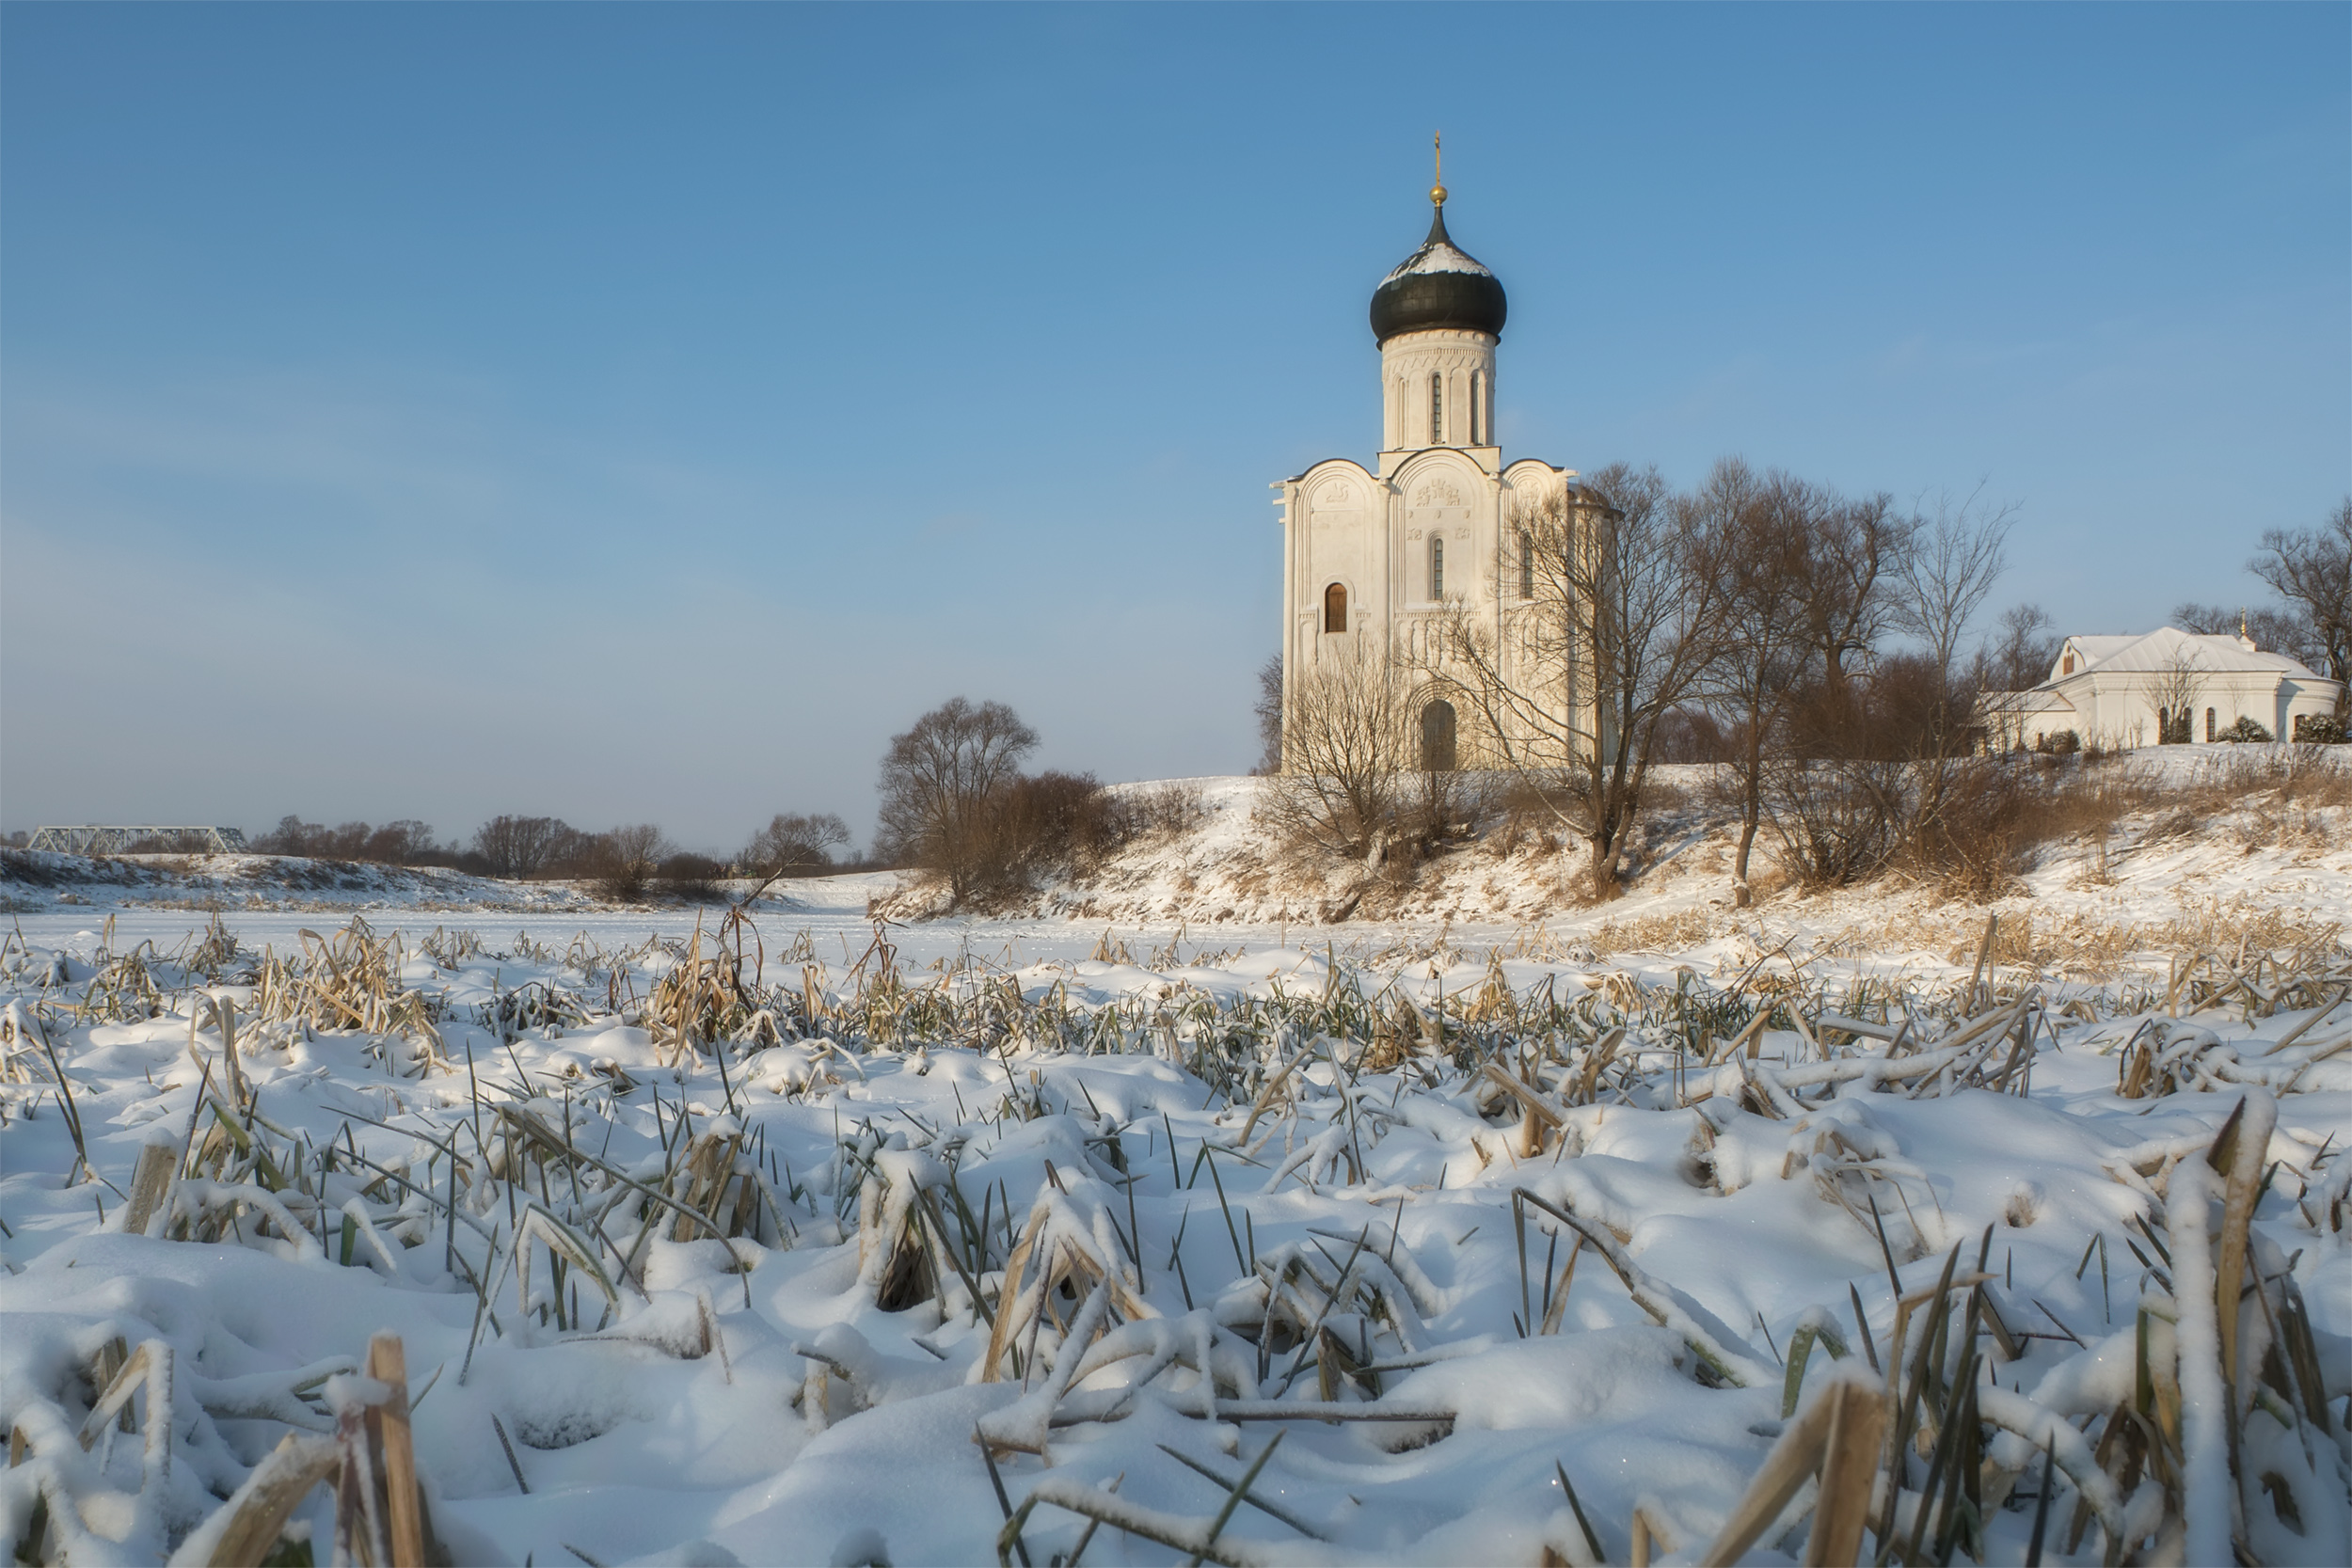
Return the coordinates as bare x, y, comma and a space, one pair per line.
626, 862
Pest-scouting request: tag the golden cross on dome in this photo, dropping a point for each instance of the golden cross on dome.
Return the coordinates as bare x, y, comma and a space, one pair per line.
1437, 192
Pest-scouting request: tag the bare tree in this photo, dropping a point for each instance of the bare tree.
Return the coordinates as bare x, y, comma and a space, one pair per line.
1854, 554
795, 844
624, 859
1761, 527
401, 843
2021, 652
1951, 558
2312, 569
1618, 625
520, 846
1347, 745
938, 781
1268, 709
2285, 630
2175, 691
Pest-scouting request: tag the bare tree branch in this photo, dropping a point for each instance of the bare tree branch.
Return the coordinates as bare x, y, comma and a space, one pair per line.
1346, 746
2312, 569
1953, 556
1617, 629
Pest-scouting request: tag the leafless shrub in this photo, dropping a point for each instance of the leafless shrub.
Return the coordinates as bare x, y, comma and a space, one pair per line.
1346, 744
1971, 833
1169, 808
1054, 822
621, 862
691, 877
2311, 775
1838, 821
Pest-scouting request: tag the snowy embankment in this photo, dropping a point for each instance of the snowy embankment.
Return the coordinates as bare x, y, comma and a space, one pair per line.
2084, 900
817, 1242
36, 879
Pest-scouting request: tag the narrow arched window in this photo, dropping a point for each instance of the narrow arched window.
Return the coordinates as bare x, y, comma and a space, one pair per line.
1438, 738
1478, 408
1335, 608
1436, 568
2209, 723
1436, 409
1527, 564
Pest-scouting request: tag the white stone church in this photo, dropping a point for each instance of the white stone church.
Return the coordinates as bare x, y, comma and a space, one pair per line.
1380, 555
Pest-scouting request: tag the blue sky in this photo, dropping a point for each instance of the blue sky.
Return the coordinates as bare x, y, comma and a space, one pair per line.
641, 413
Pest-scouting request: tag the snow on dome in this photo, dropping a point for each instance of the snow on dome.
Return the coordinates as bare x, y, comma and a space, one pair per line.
1439, 255
1439, 285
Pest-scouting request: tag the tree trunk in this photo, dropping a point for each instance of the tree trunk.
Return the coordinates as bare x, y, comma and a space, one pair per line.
1751, 813
1605, 863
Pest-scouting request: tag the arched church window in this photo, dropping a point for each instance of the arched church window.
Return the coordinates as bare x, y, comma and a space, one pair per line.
1438, 738
2209, 723
1335, 608
1436, 568
1527, 564
1478, 407
1436, 409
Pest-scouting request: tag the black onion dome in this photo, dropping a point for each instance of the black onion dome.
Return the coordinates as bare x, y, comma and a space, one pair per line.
1439, 285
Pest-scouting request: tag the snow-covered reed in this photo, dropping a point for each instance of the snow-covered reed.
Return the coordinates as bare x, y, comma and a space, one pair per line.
692, 1249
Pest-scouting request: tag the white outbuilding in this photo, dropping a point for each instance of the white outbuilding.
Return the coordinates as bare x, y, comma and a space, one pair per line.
2167, 685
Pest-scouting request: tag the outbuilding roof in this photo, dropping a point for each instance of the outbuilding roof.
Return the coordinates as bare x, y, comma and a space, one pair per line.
2169, 647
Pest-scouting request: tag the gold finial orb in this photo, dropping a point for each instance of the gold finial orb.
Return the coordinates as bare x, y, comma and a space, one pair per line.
1437, 195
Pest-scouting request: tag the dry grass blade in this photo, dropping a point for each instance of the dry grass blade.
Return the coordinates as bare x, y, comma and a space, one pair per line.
1849, 1466
387, 1430
1837, 1439
256, 1512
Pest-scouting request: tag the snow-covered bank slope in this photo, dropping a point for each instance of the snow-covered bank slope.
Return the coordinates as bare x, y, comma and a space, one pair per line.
2157, 864
36, 879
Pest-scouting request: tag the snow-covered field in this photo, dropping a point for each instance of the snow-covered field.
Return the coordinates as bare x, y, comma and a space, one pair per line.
1417, 1223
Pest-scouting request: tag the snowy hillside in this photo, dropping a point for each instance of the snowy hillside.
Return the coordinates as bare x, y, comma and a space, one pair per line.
35, 880
2217, 847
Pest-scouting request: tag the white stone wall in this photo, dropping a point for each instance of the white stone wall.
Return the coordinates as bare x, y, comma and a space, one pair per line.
1464, 363
2118, 709
1370, 532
